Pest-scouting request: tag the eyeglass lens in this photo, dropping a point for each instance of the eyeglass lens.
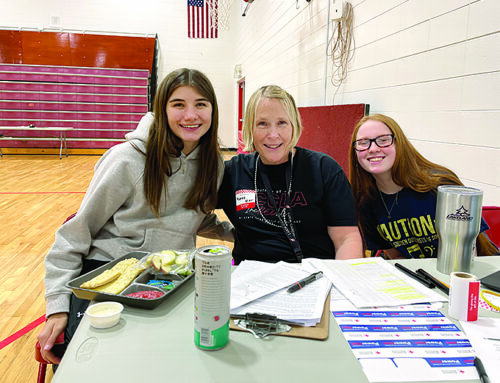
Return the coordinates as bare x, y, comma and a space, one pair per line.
381, 141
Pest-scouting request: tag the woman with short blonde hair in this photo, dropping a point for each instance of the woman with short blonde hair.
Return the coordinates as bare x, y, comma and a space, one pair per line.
274, 92
285, 202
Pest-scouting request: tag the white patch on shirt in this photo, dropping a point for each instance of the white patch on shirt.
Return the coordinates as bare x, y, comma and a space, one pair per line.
245, 199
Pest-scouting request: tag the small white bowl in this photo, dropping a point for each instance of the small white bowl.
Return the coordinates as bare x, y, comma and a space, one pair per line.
104, 314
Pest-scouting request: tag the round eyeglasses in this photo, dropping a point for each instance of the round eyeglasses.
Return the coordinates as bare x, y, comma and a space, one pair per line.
382, 141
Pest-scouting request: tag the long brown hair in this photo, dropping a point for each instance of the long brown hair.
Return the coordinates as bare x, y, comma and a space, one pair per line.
163, 144
410, 170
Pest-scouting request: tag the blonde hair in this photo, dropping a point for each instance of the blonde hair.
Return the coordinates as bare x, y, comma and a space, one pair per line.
270, 91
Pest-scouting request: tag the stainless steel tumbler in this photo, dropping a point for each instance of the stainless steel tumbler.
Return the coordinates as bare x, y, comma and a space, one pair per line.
458, 219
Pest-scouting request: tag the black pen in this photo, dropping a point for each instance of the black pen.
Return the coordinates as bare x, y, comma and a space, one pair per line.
414, 275
440, 285
483, 376
303, 282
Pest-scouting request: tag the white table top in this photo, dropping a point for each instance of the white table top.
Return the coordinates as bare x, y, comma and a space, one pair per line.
157, 345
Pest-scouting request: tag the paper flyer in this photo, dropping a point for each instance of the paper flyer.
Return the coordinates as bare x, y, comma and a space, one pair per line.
406, 343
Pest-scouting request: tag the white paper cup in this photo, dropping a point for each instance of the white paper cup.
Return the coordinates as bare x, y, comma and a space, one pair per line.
464, 296
104, 314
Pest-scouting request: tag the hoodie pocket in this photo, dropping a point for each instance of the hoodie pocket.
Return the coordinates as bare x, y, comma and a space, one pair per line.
162, 239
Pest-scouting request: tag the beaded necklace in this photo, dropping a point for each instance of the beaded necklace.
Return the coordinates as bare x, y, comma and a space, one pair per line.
281, 212
285, 216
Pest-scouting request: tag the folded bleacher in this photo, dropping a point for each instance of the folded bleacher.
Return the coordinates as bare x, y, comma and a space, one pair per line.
101, 104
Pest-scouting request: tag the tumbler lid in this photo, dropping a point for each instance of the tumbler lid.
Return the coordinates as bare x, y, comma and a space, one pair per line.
458, 189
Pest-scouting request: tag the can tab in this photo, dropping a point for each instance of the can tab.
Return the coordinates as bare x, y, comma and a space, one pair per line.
262, 325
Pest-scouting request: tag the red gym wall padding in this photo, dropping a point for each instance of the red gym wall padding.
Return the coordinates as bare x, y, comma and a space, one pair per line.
328, 129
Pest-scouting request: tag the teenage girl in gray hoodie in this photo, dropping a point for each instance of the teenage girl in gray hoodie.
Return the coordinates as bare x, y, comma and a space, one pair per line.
156, 191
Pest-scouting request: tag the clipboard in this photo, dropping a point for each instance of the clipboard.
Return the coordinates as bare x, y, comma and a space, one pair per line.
492, 281
318, 332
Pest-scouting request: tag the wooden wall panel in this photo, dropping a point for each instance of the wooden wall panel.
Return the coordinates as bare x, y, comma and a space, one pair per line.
112, 51
76, 49
11, 48
45, 48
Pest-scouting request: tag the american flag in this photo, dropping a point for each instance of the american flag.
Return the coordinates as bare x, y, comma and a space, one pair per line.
199, 21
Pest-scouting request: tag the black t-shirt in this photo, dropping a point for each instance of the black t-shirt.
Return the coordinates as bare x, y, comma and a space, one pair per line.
320, 196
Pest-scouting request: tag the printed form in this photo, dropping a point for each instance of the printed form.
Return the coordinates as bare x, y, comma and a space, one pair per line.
259, 287
304, 306
369, 282
254, 279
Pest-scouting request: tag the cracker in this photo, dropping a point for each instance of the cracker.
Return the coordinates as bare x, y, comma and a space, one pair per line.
125, 264
125, 279
110, 275
102, 279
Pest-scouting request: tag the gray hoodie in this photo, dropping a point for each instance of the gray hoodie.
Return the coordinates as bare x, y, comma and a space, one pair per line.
115, 218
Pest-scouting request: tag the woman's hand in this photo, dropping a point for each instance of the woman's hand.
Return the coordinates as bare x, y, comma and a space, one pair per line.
347, 241
54, 326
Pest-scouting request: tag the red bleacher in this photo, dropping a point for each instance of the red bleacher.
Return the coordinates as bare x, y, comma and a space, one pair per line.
101, 104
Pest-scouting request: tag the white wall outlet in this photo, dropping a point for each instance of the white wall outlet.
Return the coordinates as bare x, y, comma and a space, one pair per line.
337, 9
55, 21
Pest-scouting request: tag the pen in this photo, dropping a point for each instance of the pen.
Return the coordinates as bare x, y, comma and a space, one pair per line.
303, 282
483, 376
414, 275
440, 285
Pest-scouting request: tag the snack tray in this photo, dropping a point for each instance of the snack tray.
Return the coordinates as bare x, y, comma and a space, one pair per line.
138, 284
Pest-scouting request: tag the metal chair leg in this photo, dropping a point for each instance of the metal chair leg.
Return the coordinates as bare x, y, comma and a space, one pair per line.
42, 369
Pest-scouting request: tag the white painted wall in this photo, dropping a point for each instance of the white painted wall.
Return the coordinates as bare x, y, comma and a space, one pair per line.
433, 65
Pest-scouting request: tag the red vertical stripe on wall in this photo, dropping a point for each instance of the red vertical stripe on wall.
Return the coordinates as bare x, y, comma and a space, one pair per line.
328, 129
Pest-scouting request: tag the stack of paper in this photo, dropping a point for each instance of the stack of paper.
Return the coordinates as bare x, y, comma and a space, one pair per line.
404, 343
484, 335
369, 282
403, 338
259, 287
